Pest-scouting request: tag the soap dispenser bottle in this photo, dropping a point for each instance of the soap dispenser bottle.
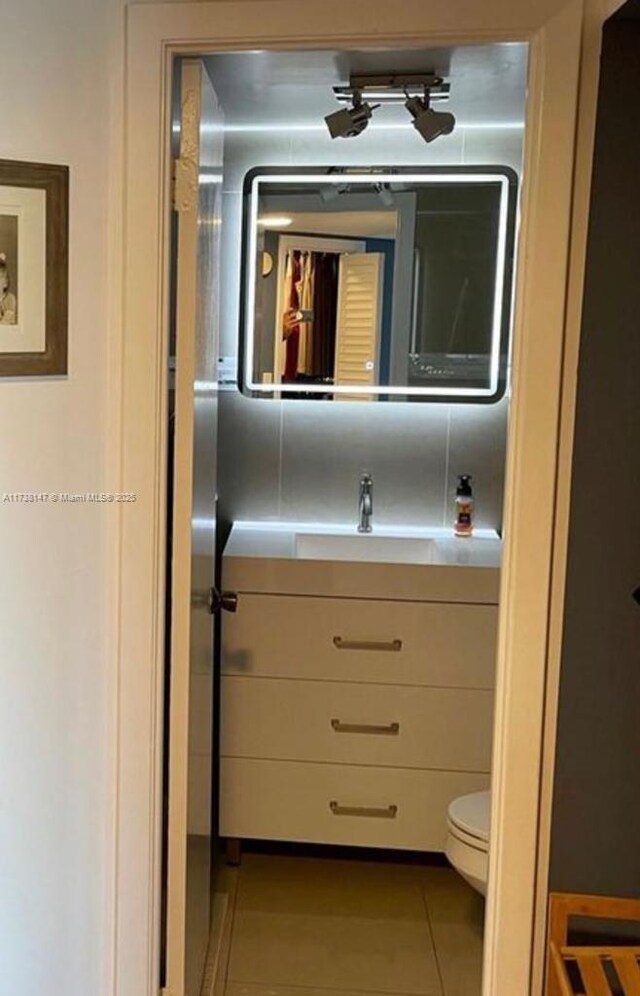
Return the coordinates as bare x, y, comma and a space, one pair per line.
464, 507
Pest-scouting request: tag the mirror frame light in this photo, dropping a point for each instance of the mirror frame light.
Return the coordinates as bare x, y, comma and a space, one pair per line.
506, 177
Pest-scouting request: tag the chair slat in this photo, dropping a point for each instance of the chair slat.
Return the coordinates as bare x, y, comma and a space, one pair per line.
559, 978
593, 975
602, 951
626, 966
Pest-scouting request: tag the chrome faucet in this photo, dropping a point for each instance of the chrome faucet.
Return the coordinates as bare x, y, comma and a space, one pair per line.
365, 504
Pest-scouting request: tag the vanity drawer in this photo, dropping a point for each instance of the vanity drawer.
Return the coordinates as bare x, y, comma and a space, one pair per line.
343, 723
343, 639
339, 804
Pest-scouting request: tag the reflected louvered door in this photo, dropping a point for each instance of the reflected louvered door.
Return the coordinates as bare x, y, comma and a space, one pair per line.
359, 322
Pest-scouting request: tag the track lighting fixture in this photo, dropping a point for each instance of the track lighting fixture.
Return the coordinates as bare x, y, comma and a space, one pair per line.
417, 90
428, 123
350, 121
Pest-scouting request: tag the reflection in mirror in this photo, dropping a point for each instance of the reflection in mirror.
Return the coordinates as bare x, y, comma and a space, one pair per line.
384, 285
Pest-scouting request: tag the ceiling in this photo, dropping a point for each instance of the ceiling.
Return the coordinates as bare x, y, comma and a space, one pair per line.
359, 224
488, 82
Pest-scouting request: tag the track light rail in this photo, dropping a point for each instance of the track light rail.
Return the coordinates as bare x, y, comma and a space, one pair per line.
393, 87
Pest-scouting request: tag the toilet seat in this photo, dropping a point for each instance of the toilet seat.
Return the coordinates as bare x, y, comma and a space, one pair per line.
468, 838
469, 817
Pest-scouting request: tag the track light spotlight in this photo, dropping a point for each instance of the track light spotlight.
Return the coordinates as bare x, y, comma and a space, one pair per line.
428, 123
385, 194
332, 191
350, 121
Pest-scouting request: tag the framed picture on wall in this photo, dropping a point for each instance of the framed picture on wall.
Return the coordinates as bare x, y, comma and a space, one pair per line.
34, 235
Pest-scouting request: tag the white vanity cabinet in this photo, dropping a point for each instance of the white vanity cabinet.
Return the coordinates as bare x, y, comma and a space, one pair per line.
352, 713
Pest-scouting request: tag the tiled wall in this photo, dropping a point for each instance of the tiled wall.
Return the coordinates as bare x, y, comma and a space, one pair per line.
302, 460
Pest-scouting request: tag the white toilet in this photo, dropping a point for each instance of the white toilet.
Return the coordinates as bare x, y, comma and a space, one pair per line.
468, 838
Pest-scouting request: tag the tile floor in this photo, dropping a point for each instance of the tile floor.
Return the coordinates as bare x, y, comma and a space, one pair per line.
320, 927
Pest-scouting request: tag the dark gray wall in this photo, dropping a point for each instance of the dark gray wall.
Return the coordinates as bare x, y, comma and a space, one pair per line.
596, 814
630, 11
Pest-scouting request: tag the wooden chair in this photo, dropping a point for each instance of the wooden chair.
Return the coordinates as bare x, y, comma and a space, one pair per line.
593, 970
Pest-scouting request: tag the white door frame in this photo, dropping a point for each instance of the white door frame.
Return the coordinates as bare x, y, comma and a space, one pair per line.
155, 32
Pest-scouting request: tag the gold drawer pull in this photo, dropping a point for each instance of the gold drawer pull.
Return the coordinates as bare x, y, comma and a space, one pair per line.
393, 646
390, 730
386, 813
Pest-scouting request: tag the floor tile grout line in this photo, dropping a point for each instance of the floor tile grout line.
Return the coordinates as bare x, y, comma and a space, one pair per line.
333, 990
433, 938
271, 986
225, 976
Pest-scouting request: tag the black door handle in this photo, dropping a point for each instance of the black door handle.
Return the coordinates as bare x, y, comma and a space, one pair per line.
636, 595
227, 601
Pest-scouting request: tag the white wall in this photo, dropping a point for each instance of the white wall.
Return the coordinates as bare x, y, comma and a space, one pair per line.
56, 795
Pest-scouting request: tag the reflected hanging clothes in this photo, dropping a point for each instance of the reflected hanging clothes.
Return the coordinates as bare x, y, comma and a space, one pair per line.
292, 303
310, 284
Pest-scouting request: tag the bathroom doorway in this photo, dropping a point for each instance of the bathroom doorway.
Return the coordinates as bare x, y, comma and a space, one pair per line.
554, 64
379, 886
294, 462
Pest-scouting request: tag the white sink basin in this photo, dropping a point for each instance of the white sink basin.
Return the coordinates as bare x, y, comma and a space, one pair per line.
417, 563
418, 545
365, 547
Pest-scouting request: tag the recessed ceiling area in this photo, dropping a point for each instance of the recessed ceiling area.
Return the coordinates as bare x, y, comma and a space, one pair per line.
358, 224
267, 88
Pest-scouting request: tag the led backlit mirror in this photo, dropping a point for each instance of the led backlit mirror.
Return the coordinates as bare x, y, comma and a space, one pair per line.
365, 284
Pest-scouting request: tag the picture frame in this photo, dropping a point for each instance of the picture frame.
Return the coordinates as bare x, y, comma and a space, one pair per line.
34, 269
